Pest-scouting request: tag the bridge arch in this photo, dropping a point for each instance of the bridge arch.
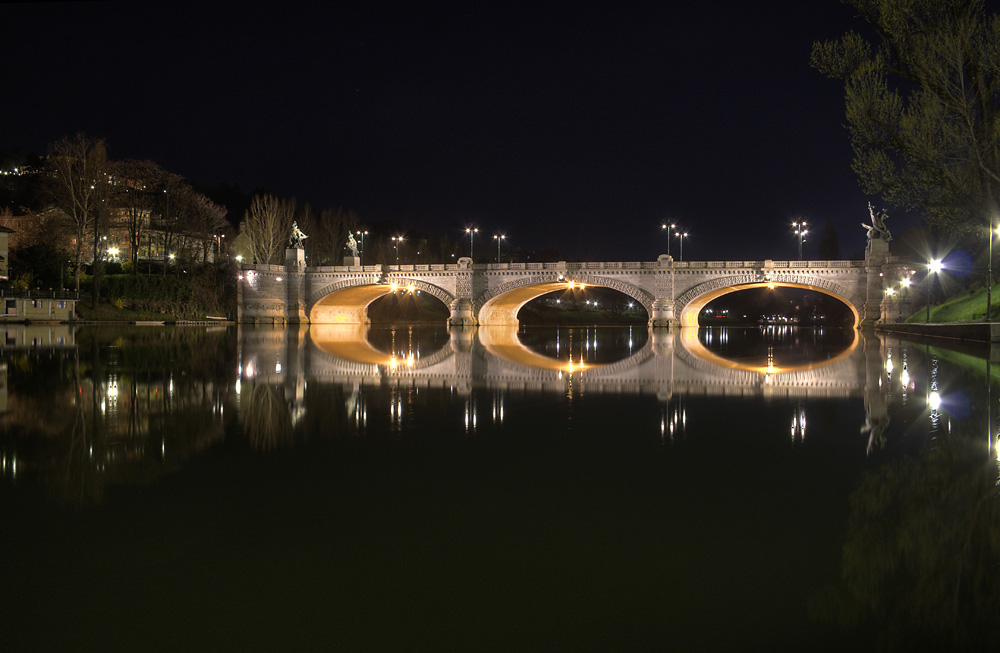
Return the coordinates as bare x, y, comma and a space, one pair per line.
499, 306
688, 306
346, 302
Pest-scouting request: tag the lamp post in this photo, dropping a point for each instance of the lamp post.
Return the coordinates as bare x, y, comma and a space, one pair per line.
472, 231
499, 238
682, 236
933, 268
398, 240
799, 229
989, 273
904, 287
669, 228
362, 233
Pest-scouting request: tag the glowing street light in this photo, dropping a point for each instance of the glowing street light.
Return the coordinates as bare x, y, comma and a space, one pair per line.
398, 241
904, 288
669, 229
472, 231
499, 238
799, 229
682, 236
934, 266
361, 255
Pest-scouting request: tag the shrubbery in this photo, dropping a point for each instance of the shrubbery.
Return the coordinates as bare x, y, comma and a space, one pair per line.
209, 290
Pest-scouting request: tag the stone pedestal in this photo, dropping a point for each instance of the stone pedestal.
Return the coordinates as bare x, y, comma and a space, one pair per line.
352, 261
295, 257
876, 255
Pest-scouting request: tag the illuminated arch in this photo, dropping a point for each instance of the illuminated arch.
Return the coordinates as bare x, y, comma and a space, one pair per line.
688, 306
347, 302
499, 306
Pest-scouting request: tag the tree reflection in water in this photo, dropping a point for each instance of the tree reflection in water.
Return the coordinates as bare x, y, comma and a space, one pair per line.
267, 422
104, 406
921, 561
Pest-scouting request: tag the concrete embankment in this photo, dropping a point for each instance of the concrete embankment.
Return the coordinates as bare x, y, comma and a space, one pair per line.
969, 331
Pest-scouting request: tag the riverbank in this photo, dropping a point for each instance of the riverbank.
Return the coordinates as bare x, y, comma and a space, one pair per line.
968, 331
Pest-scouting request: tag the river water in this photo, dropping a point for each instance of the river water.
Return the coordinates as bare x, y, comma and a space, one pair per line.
537, 488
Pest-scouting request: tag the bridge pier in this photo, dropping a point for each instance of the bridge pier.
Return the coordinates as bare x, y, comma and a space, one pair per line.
461, 313
662, 314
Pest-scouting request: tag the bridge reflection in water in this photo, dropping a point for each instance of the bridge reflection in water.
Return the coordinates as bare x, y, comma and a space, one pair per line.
668, 364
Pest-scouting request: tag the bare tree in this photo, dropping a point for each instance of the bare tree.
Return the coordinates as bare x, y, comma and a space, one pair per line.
206, 222
174, 207
266, 227
78, 185
326, 245
136, 187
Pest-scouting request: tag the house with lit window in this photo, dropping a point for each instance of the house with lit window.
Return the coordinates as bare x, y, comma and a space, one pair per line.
4, 251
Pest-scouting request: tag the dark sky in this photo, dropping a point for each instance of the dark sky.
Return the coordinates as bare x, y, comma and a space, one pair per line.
583, 129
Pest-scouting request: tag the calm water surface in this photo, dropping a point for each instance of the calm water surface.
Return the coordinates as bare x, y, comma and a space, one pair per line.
541, 488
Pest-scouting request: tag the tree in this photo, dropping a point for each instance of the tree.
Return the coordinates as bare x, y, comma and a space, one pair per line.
206, 221
266, 227
923, 106
175, 205
78, 185
138, 183
326, 244
829, 243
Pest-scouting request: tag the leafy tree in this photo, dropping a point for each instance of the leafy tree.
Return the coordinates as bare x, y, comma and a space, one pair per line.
923, 106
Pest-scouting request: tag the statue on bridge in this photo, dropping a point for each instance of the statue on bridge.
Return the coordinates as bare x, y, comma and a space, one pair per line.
295, 240
877, 229
352, 244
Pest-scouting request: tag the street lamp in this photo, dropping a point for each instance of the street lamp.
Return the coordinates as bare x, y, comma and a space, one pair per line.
934, 266
499, 238
669, 228
472, 231
398, 240
989, 273
799, 229
362, 233
904, 287
682, 236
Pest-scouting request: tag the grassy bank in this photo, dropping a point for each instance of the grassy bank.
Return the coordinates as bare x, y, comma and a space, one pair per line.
967, 307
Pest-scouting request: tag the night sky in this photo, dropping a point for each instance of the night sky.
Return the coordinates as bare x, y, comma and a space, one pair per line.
583, 130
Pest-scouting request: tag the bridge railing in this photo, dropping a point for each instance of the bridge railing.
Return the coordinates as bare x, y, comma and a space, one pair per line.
699, 265
586, 265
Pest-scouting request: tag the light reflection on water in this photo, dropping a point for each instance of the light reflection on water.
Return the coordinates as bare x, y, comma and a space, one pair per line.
642, 448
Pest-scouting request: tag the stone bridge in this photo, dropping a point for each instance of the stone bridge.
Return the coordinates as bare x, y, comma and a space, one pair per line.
672, 293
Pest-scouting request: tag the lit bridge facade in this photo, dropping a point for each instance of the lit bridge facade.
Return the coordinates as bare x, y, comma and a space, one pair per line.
672, 293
